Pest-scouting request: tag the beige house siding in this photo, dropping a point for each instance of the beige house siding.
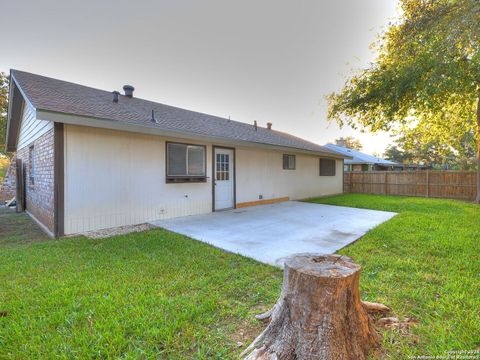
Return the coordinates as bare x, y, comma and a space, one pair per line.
115, 178
31, 128
260, 174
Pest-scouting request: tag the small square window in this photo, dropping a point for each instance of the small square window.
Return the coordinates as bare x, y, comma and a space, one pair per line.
288, 162
327, 167
222, 167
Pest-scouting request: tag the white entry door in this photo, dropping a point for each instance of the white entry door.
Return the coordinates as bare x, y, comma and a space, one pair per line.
223, 179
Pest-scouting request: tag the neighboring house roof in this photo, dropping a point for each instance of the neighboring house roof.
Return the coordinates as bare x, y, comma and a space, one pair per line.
359, 157
66, 98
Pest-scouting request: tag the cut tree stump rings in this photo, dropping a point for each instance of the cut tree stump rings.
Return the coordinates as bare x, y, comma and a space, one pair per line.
319, 314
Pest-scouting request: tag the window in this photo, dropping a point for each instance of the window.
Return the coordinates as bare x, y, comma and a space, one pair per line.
288, 162
327, 167
31, 165
222, 171
185, 163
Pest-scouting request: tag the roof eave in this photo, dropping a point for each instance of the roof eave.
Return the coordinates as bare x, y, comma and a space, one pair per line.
360, 163
16, 99
13, 115
71, 119
9, 114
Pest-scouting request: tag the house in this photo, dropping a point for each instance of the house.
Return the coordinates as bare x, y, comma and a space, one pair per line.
363, 162
96, 159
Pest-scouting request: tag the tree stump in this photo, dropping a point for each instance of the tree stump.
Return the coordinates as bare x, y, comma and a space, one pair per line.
319, 314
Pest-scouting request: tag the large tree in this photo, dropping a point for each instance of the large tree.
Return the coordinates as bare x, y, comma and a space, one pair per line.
3, 109
434, 152
394, 153
425, 82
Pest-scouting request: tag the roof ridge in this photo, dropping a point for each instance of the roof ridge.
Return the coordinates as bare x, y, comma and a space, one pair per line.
359, 154
143, 99
60, 80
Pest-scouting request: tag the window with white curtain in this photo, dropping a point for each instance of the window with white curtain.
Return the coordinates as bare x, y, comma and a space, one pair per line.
186, 162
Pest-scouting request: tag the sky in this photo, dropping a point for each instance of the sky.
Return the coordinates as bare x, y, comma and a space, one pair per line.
270, 61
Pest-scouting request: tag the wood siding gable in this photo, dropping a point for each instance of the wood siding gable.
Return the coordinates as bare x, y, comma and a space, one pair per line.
31, 128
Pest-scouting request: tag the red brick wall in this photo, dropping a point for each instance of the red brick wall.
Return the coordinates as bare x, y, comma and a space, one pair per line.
39, 197
8, 189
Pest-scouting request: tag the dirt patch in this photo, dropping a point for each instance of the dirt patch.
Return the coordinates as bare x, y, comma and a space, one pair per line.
121, 230
394, 323
248, 327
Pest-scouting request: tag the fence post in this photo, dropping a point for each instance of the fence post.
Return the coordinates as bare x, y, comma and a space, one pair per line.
428, 183
350, 183
385, 189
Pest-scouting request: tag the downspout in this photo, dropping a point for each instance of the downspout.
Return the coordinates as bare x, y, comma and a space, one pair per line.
59, 179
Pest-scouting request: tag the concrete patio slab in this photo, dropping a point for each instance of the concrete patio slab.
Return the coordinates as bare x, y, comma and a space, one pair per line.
269, 233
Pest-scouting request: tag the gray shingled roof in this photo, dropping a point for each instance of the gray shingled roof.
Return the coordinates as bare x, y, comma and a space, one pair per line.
64, 97
359, 157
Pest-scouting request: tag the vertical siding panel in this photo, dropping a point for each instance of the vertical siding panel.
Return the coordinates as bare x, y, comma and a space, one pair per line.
260, 172
117, 178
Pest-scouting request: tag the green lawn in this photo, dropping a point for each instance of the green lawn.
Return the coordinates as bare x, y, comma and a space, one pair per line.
423, 263
147, 295
161, 295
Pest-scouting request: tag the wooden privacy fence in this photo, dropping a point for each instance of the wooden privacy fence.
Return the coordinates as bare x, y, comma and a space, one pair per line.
459, 185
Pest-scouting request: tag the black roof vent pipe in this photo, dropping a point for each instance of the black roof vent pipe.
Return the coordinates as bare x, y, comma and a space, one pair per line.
128, 90
115, 96
153, 117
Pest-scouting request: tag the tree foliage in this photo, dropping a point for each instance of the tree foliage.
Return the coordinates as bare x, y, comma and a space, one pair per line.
394, 153
420, 149
425, 82
410, 149
3, 109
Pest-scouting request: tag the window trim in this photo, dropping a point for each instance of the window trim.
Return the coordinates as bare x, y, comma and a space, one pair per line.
294, 162
31, 165
334, 166
234, 174
172, 179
